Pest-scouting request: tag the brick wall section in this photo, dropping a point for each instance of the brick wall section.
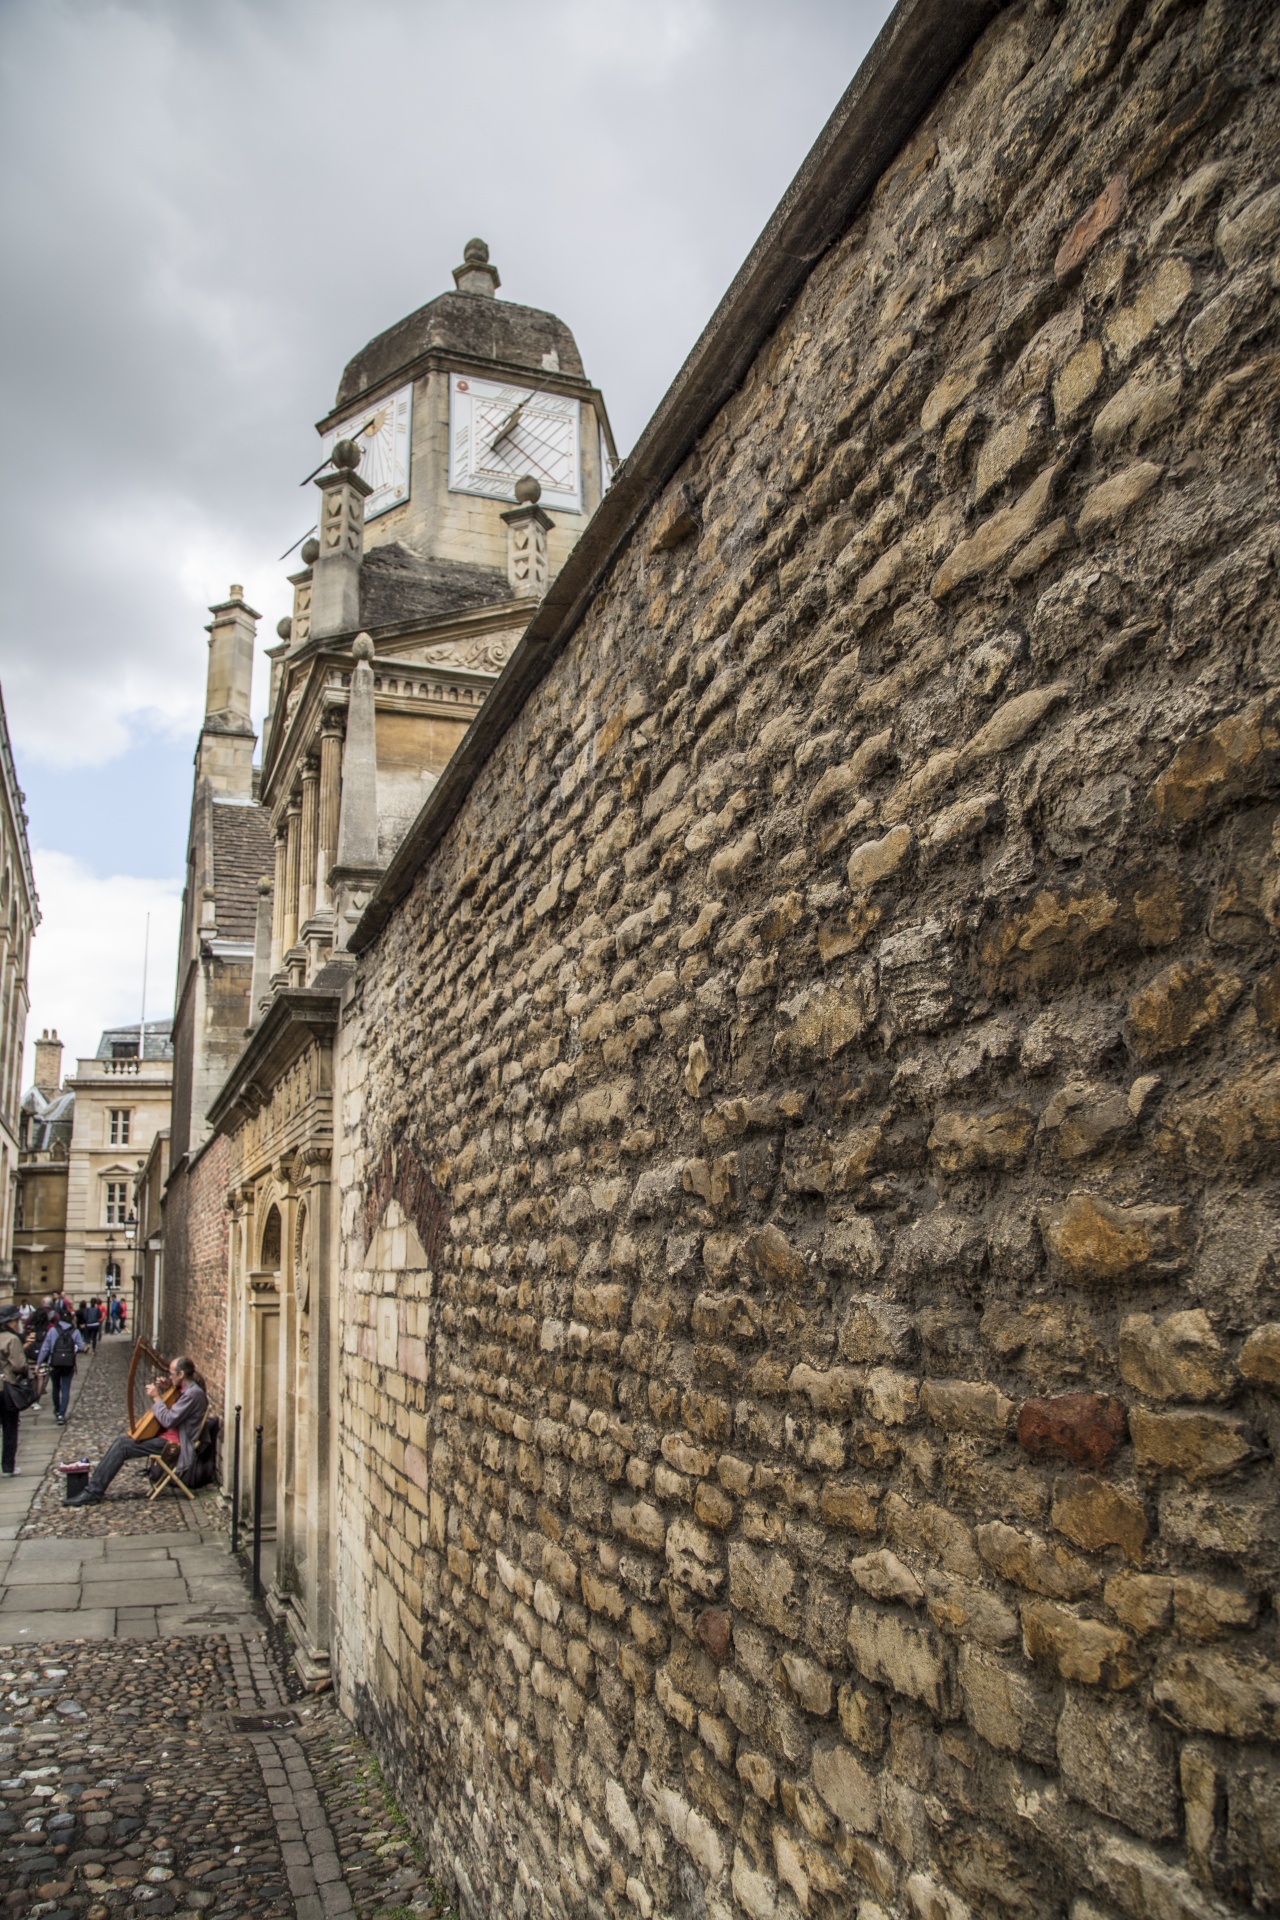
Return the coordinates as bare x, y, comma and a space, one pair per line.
828, 1469
194, 1298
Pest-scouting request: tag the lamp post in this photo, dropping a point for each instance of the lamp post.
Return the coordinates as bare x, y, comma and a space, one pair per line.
133, 1244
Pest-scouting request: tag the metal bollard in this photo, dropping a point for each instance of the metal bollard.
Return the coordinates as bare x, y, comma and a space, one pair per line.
235, 1489
257, 1513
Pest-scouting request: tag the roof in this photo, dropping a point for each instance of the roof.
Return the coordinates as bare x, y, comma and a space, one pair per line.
473, 326
918, 49
158, 1044
396, 585
243, 851
49, 1120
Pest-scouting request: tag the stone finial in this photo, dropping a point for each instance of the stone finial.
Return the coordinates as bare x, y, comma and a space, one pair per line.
309, 552
476, 274
335, 581
528, 524
285, 628
346, 454
260, 984
358, 818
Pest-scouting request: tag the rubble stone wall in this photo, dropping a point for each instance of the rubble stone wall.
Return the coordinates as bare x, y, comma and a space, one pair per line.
812, 1450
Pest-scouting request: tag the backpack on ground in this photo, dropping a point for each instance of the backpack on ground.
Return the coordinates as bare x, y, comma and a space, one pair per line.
63, 1353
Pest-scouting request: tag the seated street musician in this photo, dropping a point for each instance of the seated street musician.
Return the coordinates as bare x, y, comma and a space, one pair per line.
178, 1420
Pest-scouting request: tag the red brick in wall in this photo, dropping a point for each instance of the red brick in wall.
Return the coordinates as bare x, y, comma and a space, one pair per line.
193, 1314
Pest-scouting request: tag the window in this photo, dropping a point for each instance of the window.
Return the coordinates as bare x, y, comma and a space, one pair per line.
117, 1202
124, 1049
112, 1276
120, 1118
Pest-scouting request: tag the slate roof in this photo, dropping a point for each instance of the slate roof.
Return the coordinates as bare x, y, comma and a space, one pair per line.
158, 1044
396, 585
469, 324
243, 851
48, 1122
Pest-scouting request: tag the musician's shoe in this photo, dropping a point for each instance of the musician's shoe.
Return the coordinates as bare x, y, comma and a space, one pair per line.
86, 1499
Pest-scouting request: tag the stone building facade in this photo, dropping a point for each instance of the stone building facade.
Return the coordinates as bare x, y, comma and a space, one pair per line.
147, 1278
808, 1330
119, 1103
229, 848
466, 451
19, 918
44, 1150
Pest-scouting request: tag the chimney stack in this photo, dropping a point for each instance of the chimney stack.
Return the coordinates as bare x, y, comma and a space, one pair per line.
225, 754
48, 1063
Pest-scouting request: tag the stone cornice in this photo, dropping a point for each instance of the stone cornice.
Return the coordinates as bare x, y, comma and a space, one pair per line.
296, 1017
917, 51
335, 651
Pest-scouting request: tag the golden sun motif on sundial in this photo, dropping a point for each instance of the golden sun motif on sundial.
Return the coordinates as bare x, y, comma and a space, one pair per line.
381, 430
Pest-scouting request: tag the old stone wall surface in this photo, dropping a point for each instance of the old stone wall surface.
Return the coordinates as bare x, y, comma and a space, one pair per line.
193, 1296
814, 1452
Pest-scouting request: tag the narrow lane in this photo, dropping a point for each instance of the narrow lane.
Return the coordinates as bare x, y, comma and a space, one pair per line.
152, 1761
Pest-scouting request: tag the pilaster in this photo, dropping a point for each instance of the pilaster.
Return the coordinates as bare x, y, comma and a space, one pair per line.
527, 525
356, 870
335, 586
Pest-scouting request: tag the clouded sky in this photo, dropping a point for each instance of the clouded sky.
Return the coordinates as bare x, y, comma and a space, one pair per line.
207, 210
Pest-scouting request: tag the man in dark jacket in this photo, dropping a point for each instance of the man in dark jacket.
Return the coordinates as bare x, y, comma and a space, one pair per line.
13, 1366
181, 1422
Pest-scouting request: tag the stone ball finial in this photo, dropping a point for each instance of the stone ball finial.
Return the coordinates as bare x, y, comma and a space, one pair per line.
310, 552
362, 647
266, 883
528, 490
285, 628
346, 454
476, 253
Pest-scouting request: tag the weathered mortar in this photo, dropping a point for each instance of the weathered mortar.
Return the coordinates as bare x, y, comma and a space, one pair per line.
807, 1409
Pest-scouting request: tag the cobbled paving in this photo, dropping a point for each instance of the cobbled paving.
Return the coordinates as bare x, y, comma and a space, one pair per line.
117, 1795
127, 1790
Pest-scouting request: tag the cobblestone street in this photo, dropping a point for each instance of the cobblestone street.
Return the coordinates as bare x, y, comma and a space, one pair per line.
155, 1759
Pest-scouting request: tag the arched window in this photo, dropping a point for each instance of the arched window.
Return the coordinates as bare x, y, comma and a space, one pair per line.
112, 1275
270, 1260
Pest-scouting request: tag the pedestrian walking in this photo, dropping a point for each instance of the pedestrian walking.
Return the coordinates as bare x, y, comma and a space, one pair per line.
92, 1324
38, 1324
124, 1315
58, 1352
16, 1388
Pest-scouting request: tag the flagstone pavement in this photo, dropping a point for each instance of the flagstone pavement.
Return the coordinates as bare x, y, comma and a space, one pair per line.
155, 1758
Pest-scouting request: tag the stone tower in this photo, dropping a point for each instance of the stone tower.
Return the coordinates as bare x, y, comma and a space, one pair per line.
463, 457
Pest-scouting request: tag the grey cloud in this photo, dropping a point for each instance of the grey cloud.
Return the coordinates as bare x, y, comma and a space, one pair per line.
211, 208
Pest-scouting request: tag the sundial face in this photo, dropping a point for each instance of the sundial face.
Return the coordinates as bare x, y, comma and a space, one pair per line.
497, 432
381, 430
